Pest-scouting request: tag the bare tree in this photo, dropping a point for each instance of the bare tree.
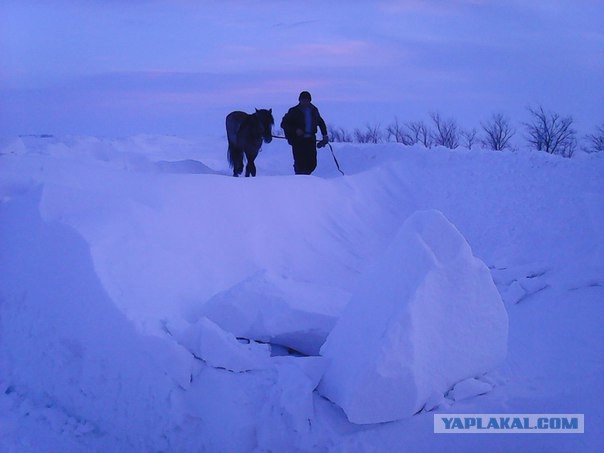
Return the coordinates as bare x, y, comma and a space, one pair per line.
419, 132
445, 132
596, 140
551, 133
339, 134
396, 131
371, 134
469, 137
497, 133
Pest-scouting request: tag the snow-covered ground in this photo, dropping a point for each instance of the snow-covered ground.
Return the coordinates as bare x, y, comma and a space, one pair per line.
151, 302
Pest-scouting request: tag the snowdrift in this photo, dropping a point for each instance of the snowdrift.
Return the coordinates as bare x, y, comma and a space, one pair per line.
66, 345
149, 301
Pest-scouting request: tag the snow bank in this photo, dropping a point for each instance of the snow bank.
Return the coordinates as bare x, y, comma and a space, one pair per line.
64, 344
427, 315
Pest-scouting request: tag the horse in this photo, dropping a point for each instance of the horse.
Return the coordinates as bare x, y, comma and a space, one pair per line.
245, 133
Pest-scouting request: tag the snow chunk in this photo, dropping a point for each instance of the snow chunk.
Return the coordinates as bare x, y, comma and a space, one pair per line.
221, 349
469, 388
271, 308
514, 293
427, 315
521, 282
289, 407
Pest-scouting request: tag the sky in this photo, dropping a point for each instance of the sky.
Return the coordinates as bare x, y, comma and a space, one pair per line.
110, 67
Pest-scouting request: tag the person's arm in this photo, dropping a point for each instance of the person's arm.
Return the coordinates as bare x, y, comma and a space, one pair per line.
323, 128
286, 126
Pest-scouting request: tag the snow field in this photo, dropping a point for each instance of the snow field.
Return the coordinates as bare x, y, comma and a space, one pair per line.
148, 301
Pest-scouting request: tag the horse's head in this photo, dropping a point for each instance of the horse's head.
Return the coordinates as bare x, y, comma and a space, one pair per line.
266, 121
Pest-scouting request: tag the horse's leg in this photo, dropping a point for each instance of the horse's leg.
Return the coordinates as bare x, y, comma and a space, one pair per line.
250, 168
238, 169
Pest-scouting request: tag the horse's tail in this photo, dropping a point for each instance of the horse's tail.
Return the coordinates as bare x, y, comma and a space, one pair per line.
235, 158
230, 155
233, 123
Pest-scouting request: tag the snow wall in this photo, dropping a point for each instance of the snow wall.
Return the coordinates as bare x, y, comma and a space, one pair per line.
425, 317
66, 345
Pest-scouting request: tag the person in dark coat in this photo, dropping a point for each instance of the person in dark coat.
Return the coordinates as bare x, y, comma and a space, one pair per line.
300, 125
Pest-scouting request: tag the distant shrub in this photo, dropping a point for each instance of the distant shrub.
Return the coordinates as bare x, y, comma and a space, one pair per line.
595, 141
371, 134
339, 134
469, 137
546, 131
419, 133
497, 133
399, 133
445, 132
549, 132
